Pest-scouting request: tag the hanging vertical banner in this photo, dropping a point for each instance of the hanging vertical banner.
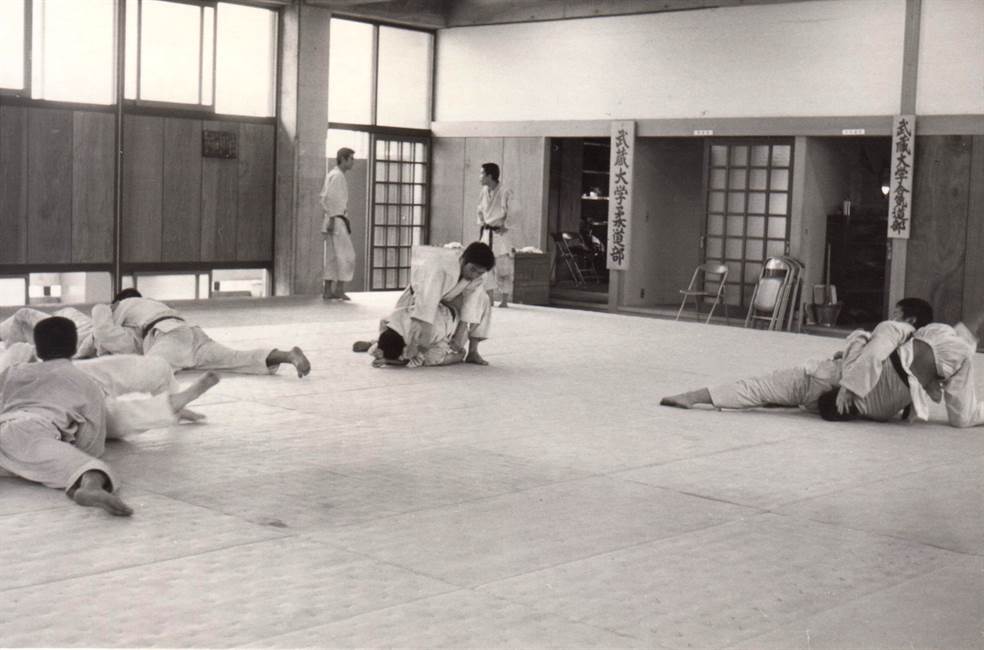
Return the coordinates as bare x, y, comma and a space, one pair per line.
901, 171
620, 194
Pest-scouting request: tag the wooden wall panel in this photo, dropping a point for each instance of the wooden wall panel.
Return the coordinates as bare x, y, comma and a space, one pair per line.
92, 194
49, 169
181, 218
477, 151
220, 202
254, 238
935, 266
447, 191
973, 295
13, 185
523, 169
142, 188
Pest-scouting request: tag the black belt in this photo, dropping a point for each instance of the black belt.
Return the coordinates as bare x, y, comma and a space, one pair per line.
149, 326
904, 376
348, 224
897, 364
492, 232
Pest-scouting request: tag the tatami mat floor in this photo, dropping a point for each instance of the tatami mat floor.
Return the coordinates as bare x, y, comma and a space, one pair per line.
544, 501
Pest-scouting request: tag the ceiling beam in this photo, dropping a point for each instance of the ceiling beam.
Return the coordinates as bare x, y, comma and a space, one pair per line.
430, 14
487, 12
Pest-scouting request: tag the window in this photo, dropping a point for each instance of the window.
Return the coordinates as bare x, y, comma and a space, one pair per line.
240, 283
73, 51
403, 88
747, 211
399, 208
219, 55
378, 75
13, 291
71, 288
12, 44
246, 57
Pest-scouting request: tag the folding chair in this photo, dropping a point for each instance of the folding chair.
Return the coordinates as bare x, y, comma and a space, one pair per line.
578, 258
700, 291
774, 298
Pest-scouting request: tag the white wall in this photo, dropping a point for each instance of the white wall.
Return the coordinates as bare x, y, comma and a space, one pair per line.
951, 57
832, 57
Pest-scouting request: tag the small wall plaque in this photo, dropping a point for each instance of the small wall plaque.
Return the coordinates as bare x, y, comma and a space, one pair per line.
220, 144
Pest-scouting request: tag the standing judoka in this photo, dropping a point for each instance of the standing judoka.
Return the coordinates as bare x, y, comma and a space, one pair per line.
339, 255
495, 207
53, 420
455, 278
163, 332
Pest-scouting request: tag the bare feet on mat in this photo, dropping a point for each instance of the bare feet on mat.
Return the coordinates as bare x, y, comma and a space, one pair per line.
92, 493
297, 359
687, 400
503, 304
341, 296
476, 358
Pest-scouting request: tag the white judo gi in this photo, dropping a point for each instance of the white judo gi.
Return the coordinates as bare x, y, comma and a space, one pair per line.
435, 347
166, 334
866, 369
19, 328
339, 254
435, 278
494, 209
136, 389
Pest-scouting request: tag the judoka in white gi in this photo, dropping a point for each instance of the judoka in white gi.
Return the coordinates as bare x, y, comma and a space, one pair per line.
164, 333
495, 207
444, 343
339, 254
454, 278
870, 379
19, 328
53, 419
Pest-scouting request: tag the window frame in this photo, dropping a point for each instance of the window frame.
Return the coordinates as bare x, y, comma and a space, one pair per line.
25, 89
374, 85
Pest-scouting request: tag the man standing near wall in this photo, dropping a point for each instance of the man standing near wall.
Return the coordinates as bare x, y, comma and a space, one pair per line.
494, 207
339, 256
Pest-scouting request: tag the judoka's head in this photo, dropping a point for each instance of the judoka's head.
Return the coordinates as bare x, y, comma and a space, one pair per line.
938, 352
126, 293
827, 405
390, 346
490, 174
345, 159
476, 260
55, 338
915, 311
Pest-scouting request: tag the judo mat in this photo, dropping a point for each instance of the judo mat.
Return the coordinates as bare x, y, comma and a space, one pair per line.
543, 501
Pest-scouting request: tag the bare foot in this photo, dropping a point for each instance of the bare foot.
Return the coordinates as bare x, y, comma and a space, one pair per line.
297, 359
342, 296
687, 400
194, 390
99, 498
361, 346
191, 416
92, 493
476, 358
503, 304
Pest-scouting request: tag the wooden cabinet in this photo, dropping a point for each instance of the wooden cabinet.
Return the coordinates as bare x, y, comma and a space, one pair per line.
858, 245
531, 279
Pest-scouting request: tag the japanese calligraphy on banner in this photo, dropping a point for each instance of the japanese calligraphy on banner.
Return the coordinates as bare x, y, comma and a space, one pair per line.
620, 194
900, 176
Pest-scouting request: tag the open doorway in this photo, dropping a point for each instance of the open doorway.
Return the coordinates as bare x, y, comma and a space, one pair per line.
847, 179
578, 218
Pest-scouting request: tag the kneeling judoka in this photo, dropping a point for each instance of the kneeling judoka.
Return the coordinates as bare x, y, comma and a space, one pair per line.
454, 279
55, 418
442, 343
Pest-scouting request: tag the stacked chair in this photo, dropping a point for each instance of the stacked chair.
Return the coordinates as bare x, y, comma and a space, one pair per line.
776, 295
